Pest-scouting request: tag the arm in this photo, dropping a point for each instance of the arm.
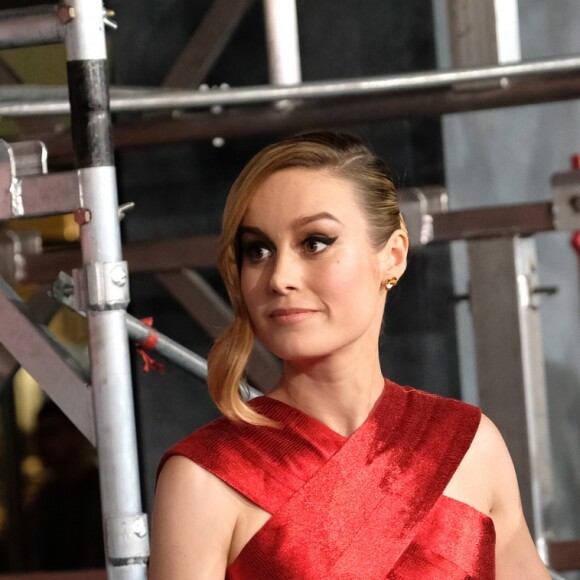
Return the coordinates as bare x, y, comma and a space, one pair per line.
516, 554
193, 521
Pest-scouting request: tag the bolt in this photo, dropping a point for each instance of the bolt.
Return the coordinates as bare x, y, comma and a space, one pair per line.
65, 13
139, 528
82, 216
67, 290
119, 276
125, 208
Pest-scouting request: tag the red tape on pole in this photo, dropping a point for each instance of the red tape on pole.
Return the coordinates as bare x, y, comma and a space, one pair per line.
150, 342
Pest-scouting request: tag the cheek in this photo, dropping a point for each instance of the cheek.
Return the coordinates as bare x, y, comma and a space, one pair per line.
246, 285
349, 272
250, 286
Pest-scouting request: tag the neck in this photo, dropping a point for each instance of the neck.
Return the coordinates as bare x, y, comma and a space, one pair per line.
340, 393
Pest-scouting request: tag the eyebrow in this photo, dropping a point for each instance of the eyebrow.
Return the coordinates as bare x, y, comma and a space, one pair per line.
323, 215
250, 230
297, 223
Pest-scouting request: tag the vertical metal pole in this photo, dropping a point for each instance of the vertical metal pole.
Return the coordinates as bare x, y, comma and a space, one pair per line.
470, 34
510, 366
482, 33
282, 43
126, 535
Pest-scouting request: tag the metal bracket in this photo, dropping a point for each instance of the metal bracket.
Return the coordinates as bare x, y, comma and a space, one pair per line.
14, 247
101, 286
127, 539
26, 189
566, 195
418, 206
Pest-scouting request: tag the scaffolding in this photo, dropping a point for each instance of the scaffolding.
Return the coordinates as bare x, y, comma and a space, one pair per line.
101, 405
103, 410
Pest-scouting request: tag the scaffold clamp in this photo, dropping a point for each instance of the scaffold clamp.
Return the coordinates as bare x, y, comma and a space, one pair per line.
101, 286
127, 539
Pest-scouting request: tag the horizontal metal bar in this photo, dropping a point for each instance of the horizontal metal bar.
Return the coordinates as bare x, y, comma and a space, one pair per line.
201, 252
141, 332
20, 101
40, 195
146, 257
176, 353
167, 347
267, 120
492, 222
30, 26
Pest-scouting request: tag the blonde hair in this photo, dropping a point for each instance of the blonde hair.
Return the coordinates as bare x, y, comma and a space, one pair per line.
341, 155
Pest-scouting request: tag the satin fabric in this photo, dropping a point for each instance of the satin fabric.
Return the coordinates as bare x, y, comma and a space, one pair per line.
365, 507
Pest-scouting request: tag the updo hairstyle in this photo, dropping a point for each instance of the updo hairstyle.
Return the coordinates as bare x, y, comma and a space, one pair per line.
344, 157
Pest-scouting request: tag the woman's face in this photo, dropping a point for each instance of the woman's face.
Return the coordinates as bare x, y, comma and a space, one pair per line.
310, 277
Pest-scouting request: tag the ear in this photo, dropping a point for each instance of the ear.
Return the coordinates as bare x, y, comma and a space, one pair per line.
394, 255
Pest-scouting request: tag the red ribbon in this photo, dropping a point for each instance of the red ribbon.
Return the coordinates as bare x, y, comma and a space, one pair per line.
150, 342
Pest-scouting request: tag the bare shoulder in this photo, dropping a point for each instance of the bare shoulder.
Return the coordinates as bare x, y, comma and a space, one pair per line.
489, 452
516, 554
192, 524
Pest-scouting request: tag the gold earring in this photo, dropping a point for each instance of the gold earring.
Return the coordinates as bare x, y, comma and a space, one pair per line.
391, 283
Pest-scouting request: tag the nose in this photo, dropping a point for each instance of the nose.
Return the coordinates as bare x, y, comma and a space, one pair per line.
285, 275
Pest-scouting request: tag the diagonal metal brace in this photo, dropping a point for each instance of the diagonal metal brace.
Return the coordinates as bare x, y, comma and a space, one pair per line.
46, 360
42, 308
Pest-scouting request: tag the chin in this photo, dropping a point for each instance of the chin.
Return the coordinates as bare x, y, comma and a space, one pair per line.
292, 351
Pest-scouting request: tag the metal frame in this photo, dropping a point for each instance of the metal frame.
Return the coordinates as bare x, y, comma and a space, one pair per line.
504, 303
125, 526
511, 379
53, 101
104, 412
26, 189
484, 32
282, 42
49, 363
149, 338
32, 26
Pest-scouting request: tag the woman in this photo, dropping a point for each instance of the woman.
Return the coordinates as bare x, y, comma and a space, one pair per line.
337, 473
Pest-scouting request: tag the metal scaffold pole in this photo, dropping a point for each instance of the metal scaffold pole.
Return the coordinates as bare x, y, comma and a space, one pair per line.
105, 280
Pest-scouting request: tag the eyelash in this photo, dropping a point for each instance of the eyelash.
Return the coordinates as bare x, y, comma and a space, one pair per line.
318, 239
251, 249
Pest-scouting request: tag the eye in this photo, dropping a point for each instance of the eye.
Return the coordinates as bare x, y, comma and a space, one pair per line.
255, 251
317, 244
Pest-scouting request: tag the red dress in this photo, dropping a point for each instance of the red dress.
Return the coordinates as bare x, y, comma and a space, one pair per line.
369, 506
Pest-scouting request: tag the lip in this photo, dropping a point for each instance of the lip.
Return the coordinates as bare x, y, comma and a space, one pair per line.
290, 315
